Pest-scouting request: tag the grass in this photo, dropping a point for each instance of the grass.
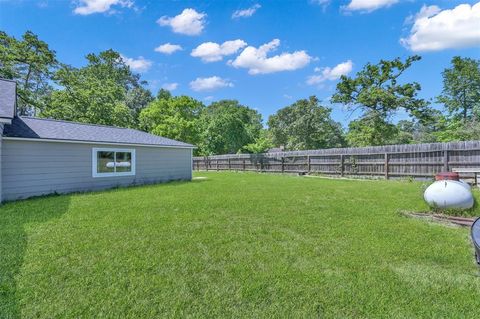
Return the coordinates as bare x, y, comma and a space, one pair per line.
235, 245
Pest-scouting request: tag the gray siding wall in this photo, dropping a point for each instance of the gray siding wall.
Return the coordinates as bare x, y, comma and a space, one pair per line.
38, 168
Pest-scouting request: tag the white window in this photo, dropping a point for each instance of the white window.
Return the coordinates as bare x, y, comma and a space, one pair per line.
108, 162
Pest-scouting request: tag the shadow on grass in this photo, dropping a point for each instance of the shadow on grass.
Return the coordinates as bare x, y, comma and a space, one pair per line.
14, 218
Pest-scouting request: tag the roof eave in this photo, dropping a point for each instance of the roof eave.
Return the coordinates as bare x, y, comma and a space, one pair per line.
187, 146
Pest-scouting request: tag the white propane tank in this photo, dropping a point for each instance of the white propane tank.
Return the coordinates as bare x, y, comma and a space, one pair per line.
449, 194
466, 185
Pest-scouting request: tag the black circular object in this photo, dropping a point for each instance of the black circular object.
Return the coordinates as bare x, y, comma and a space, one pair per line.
476, 238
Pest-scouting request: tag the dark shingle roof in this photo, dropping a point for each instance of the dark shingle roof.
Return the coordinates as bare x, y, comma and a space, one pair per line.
8, 97
30, 127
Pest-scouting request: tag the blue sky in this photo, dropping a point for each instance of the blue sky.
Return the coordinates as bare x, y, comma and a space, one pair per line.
275, 52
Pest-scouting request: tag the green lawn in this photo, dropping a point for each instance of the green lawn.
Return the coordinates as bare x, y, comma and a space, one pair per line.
235, 245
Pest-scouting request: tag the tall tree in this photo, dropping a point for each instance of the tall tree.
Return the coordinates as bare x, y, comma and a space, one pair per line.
173, 117
138, 97
461, 88
376, 90
105, 91
227, 126
305, 125
31, 63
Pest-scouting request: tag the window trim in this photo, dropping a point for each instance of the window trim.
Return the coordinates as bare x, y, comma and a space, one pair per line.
95, 150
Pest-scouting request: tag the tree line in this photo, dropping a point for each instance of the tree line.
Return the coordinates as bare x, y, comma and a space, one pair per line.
106, 91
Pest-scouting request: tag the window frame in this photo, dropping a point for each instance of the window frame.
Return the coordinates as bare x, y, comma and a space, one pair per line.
95, 151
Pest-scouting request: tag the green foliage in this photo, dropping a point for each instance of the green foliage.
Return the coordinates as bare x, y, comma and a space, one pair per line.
31, 63
370, 130
376, 89
105, 91
261, 145
164, 94
458, 130
138, 97
405, 132
414, 131
173, 117
461, 88
461, 97
305, 125
227, 126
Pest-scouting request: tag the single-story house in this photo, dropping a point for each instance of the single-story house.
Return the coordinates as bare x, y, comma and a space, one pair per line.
42, 156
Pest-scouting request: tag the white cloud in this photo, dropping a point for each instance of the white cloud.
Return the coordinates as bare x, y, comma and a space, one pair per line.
170, 86
189, 22
168, 48
86, 7
423, 13
368, 5
323, 3
330, 74
434, 29
138, 65
211, 51
257, 62
209, 84
245, 13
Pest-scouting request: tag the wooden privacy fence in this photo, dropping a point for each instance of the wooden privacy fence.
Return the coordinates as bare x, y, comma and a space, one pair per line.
410, 160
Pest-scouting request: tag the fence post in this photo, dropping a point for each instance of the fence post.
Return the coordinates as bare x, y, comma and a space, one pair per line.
243, 165
342, 165
445, 160
283, 164
308, 163
229, 166
216, 164
206, 163
385, 166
